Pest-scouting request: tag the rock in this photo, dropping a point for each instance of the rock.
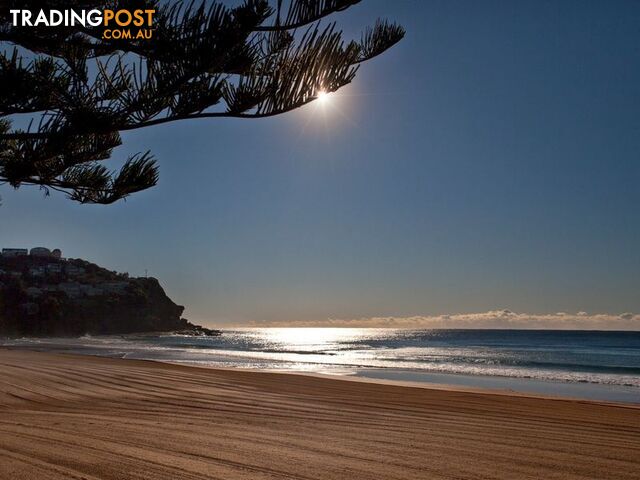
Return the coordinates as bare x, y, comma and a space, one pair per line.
76, 297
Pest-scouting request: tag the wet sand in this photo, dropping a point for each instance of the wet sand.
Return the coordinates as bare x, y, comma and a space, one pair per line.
81, 417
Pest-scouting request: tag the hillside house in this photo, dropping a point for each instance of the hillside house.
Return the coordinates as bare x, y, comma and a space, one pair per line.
71, 289
14, 252
54, 268
73, 270
37, 271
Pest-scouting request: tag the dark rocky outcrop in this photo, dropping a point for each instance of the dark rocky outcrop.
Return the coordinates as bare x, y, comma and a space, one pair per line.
55, 297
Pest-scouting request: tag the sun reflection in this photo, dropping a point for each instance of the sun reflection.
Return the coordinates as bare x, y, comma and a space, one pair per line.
310, 339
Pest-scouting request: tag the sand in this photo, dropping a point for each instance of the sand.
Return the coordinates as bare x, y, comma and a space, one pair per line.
77, 417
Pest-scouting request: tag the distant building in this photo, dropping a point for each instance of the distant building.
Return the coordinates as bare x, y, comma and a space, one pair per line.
41, 252
37, 271
54, 268
73, 270
14, 252
72, 289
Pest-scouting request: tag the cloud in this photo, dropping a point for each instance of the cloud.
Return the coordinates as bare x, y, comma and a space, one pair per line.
502, 319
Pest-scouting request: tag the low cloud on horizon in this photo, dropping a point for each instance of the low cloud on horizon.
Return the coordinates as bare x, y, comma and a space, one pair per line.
494, 319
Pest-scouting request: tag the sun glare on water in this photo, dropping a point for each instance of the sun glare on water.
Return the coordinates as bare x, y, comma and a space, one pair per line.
310, 338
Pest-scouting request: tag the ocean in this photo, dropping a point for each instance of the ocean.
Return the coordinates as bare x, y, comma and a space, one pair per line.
580, 364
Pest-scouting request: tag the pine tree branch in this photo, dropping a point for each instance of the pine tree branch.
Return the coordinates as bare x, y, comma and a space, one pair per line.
206, 61
298, 17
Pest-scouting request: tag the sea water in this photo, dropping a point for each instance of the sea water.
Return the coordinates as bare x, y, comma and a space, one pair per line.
582, 364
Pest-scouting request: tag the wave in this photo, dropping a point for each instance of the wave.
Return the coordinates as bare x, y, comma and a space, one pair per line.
606, 358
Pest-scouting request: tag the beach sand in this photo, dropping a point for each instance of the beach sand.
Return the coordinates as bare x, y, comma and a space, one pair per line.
80, 417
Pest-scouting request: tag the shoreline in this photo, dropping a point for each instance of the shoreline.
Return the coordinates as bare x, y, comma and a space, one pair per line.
70, 416
629, 395
448, 387
613, 394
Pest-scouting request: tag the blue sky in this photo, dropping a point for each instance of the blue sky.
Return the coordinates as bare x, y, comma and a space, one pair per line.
489, 161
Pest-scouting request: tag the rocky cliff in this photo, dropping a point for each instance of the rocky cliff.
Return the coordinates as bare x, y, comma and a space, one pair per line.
56, 297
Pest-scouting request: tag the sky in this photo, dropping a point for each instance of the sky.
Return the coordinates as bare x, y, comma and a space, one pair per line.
488, 163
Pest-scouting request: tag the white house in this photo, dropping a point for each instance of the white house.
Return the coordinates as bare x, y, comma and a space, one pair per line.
40, 252
14, 252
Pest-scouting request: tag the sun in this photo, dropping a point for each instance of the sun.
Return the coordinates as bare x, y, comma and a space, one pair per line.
323, 96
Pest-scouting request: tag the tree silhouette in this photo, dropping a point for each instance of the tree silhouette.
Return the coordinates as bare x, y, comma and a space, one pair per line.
205, 60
